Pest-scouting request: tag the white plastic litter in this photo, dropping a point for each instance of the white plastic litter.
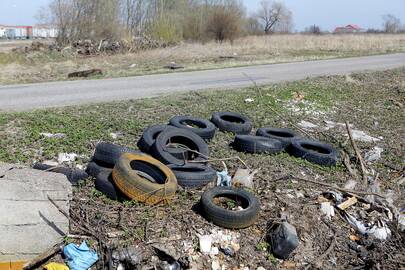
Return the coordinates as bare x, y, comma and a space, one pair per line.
378, 231
66, 157
205, 244
249, 100
55, 136
401, 222
224, 179
374, 154
244, 177
307, 125
359, 135
328, 210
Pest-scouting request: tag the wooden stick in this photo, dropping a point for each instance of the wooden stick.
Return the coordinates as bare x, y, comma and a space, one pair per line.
352, 192
359, 157
43, 257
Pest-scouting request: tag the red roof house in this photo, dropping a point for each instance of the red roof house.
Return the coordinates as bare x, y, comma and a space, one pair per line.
348, 29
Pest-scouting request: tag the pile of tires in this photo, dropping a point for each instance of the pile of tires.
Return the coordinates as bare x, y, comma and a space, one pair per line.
177, 154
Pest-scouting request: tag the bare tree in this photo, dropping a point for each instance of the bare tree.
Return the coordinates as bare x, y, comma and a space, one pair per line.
391, 23
272, 14
313, 29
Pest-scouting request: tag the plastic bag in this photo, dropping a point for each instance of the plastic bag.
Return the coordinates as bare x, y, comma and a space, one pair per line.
79, 258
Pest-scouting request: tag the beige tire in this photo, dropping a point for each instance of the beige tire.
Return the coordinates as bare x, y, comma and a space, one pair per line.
145, 179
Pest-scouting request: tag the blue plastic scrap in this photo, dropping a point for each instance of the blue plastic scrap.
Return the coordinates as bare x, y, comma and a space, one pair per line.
79, 258
224, 179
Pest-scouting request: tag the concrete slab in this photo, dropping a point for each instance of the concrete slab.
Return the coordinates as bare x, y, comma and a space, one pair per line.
29, 223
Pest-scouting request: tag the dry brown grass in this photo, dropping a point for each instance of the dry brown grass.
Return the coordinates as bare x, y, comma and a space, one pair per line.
38, 67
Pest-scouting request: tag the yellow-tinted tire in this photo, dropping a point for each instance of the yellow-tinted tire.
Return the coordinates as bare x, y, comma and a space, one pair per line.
145, 179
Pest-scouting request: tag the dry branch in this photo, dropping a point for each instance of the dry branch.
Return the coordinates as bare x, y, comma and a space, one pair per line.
358, 154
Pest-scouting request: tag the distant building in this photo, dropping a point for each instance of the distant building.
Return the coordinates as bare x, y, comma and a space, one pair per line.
27, 32
348, 29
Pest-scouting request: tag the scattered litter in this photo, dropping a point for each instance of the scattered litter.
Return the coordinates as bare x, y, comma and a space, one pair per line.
114, 135
249, 100
85, 73
244, 177
173, 66
350, 184
56, 266
359, 135
133, 65
129, 256
215, 265
205, 244
328, 210
66, 157
51, 163
379, 231
401, 222
79, 257
374, 154
307, 125
346, 204
284, 240
54, 136
224, 179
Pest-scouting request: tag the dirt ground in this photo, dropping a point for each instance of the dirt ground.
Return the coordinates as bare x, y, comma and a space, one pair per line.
371, 102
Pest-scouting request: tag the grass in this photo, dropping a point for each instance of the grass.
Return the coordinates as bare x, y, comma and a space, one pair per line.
370, 101
53, 66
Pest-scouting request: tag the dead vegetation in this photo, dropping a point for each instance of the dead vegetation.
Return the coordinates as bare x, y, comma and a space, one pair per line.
40, 66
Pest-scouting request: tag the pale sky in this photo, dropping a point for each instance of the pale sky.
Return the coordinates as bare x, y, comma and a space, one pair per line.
326, 13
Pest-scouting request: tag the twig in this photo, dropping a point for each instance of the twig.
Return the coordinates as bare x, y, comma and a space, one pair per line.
43, 257
346, 162
359, 157
352, 192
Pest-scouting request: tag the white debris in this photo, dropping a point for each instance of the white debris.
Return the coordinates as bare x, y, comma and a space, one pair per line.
359, 135
249, 100
244, 177
331, 124
65, 157
307, 125
133, 65
381, 231
401, 222
54, 136
261, 268
214, 251
351, 184
205, 244
215, 265
374, 154
328, 210
114, 135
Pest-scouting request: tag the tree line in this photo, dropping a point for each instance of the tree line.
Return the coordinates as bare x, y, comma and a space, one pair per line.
166, 20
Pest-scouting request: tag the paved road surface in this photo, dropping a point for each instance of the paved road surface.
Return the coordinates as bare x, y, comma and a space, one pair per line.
54, 94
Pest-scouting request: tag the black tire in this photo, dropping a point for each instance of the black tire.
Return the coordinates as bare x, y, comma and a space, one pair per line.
314, 151
96, 167
110, 153
232, 122
193, 175
179, 136
204, 128
73, 175
284, 135
257, 144
229, 218
148, 139
104, 183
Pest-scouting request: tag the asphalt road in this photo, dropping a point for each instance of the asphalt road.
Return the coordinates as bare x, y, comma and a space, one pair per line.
54, 94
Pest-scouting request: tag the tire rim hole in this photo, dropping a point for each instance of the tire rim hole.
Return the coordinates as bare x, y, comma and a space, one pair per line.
144, 169
185, 144
280, 134
231, 202
315, 148
232, 119
188, 169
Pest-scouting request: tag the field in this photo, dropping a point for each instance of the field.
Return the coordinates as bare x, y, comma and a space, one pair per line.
371, 102
40, 66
